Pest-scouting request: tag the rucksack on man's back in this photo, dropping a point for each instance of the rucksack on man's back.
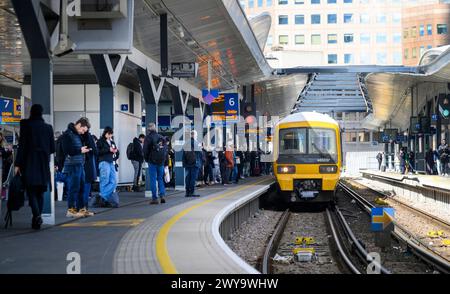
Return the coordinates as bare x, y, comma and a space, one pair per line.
130, 150
159, 152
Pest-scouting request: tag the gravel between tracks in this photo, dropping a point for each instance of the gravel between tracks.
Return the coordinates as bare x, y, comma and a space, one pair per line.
394, 257
307, 225
416, 223
250, 240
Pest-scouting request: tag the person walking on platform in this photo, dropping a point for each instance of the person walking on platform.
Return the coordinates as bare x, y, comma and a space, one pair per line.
411, 162
155, 153
429, 161
137, 159
108, 153
380, 160
229, 157
90, 170
74, 153
192, 162
223, 167
444, 154
36, 144
209, 167
402, 159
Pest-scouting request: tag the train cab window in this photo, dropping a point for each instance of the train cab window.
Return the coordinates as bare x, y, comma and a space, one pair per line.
293, 141
322, 141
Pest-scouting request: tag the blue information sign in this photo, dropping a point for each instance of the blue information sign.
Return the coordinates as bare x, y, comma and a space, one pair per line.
232, 107
124, 107
382, 217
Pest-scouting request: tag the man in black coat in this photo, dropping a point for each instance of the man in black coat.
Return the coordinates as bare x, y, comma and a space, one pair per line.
137, 159
36, 144
90, 169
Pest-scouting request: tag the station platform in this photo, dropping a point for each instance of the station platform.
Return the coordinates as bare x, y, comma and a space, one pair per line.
427, 181
181, 236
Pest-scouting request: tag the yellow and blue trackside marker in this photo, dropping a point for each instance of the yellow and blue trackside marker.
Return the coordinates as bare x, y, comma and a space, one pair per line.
382, 217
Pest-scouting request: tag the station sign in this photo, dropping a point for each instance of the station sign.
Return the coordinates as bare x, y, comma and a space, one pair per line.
209, 95
184, 70
225, 108
10, 111
389, 135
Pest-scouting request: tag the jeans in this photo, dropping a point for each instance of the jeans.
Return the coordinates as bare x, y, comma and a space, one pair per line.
209, 173
35, 200
156, 175
137, 172
108, 180
75, 181
86, 194
234, 177
191, 177
439, 167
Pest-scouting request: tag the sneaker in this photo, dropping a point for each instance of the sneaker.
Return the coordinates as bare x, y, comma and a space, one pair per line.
72, 212
86, 212
154, 202
162, 200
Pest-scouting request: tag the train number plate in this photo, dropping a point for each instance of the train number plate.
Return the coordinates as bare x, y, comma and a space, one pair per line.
308, 194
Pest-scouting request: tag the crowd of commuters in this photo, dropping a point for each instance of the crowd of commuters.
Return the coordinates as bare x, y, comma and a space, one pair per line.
82, 159
436, 161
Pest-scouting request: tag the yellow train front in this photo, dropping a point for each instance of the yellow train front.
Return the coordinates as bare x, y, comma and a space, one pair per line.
308, 157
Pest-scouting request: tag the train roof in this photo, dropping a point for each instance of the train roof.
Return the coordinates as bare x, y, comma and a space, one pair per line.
308, 116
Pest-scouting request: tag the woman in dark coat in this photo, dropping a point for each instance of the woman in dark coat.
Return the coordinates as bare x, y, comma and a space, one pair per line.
36, 144
90, 166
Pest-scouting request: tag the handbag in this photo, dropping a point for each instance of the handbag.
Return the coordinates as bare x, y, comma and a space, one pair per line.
166, 175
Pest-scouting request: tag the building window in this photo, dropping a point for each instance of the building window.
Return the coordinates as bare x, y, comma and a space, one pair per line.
413, 32
381, 18
282, 2
332, 58
429, 47
299, 39
365, 38
397, 58
365, 57
381, 58
429, 29
269, 41
315, 39
348, 18
299, 1
422, 30
421, 50
405, 33
242, 2
363, 137
441, 29
364, 18
406, 53
283, 39
299, 19
396, 17
131, 102
315, 18
332, 18
315, 1
381, 38
348, 1
283, 20
397, 38
350, 136
348, 38
332, 38
269, 3
260, 3
348, 58
331, 1
414, 52
251, 3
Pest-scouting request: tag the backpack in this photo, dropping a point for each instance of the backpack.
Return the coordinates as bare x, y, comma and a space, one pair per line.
159, 152
60, 156
16, 198
130, 150
190, 158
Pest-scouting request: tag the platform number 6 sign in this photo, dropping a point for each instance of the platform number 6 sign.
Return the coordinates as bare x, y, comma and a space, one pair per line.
74, 266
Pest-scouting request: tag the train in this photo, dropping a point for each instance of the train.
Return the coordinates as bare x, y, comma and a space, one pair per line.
308, 158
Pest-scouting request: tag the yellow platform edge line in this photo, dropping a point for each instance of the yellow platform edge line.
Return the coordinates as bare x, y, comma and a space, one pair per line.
162, 253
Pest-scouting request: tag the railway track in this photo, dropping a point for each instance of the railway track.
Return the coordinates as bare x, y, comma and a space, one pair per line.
329, 220
417, 246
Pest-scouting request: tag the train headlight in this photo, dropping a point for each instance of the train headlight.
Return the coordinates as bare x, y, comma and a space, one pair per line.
328, 169
286, 169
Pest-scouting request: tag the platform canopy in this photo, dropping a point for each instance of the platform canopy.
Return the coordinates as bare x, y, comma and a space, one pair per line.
390, 92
